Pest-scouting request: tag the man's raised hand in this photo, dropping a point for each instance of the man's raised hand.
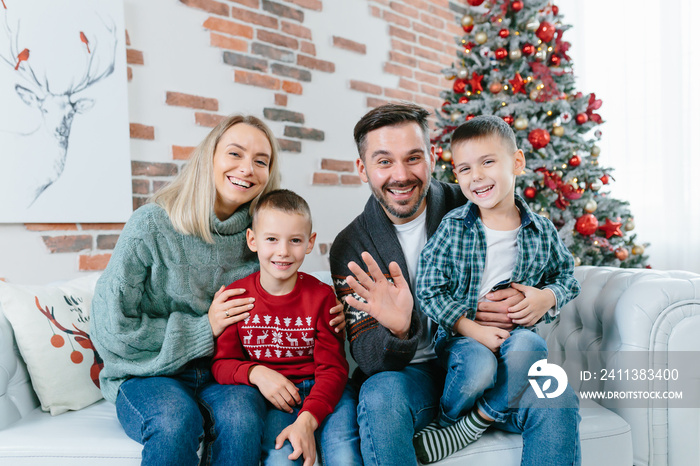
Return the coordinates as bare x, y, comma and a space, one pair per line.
389, 303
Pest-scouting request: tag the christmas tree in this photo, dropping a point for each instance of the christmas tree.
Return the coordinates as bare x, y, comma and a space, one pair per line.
513, 63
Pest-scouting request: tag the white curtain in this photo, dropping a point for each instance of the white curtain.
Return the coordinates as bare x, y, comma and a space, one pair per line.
642, 58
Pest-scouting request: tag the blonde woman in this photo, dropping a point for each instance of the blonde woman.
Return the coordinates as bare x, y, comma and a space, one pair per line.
160, 302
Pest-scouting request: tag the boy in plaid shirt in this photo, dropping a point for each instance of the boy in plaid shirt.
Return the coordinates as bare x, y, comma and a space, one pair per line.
493, 241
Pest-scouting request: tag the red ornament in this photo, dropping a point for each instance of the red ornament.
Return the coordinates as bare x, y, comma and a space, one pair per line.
469, 117
508, 119
438, 151
475, 82
611, 228
581, 118
539, 138
528, 49
468, 28
504, 33
463, 99
468, 46
518, 84
555, 60
475, 2
555, 10
444, 106
586, 224
501, 53
545, 32
495, 87
517, 5
575, 161
605, 179
530, 192
459, 86
622, 253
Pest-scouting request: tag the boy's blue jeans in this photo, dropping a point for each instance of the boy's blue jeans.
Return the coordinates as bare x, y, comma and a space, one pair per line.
394, 405
498, 385
170, 415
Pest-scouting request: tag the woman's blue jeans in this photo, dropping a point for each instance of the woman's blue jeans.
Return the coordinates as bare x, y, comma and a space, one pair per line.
169, 416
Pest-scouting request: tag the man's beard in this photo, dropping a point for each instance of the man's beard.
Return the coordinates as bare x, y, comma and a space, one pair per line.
382, 198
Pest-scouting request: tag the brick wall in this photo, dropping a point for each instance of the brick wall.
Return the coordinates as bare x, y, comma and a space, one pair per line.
268, 45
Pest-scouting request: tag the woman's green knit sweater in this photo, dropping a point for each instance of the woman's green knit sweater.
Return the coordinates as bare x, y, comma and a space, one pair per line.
149, 312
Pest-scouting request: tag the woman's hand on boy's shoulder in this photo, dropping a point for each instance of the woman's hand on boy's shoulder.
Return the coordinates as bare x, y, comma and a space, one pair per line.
225, 311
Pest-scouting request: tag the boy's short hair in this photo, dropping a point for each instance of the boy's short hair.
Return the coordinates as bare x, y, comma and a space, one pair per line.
485, 126
284, 200
390, 115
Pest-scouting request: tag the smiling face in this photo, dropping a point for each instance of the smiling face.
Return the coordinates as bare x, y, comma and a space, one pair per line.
397, 165
486, 171
281, 239
241, 167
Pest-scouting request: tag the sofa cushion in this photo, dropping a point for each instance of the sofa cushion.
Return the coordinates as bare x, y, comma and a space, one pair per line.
51, 328
89, 436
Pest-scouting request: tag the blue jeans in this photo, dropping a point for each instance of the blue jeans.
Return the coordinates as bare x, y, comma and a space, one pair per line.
392, 407
498, 385
170, 415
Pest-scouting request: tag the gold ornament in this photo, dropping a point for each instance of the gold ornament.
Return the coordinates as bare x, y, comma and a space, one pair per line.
541, 55
534, 94
638, 250
462, 73
558, 131
481, 38
456, 115
446, 155
595, 151
468, 21
559, 173
577, 261
629, 225
520, 123
532, 24
591, 206
596, 185
515, 54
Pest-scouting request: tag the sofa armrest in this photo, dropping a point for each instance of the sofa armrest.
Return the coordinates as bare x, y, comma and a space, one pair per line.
653, 313
17, 398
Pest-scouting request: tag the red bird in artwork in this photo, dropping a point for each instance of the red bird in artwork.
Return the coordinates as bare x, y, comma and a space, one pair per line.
84, 40
23, 55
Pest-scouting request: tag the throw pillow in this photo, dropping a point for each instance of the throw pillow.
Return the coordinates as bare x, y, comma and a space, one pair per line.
51, 326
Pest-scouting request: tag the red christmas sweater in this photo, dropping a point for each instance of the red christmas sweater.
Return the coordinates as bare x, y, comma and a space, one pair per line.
289, 334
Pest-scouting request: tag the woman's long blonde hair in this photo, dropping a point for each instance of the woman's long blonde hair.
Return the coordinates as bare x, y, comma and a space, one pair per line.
189, 198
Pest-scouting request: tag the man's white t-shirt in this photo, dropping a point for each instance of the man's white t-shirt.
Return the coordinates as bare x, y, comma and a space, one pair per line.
413, 236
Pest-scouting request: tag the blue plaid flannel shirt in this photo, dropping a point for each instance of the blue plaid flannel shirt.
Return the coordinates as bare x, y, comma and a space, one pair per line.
452, 263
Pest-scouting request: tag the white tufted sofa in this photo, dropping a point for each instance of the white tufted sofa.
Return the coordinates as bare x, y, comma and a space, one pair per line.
618, 310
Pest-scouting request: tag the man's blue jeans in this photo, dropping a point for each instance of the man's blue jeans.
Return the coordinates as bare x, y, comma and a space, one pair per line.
498, 385
170, 415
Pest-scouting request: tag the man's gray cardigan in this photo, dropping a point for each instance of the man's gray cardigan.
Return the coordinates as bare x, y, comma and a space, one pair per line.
373, 347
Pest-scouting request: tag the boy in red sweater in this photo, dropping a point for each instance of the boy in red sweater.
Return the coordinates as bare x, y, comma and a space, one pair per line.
287, 359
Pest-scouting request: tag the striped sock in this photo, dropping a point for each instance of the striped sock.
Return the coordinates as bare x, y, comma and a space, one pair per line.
435, 444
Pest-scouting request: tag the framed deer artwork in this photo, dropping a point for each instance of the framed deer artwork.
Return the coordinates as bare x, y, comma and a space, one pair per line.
64, 128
